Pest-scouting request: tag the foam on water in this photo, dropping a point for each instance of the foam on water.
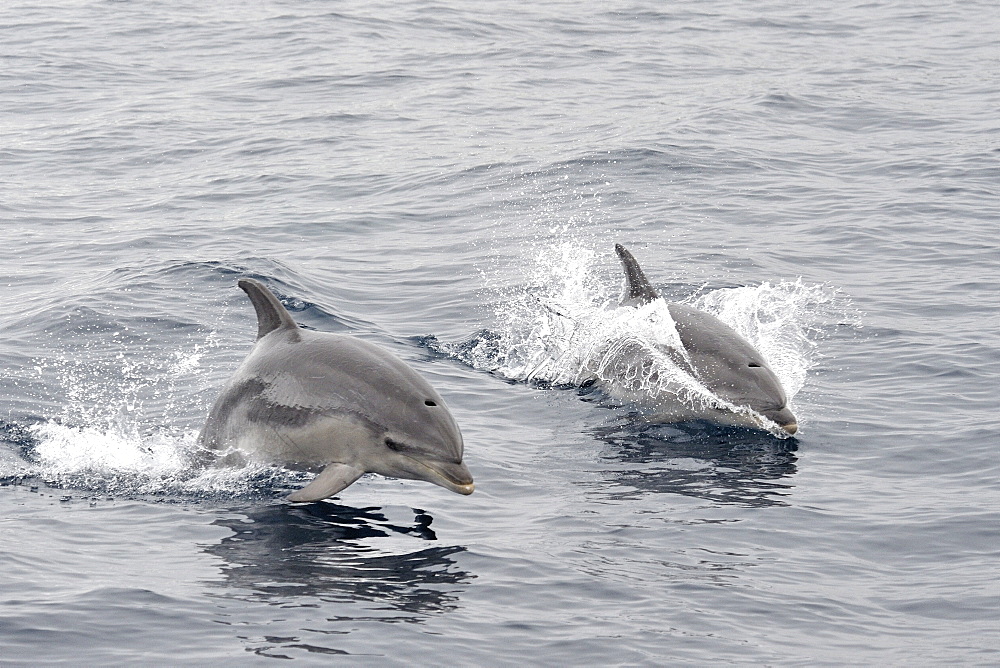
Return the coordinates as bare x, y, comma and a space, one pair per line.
783, 321
119, 460
569, 330
115, 430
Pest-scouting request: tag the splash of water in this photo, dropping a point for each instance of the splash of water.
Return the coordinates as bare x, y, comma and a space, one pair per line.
111, 434
569, 330
118, 460
782, 321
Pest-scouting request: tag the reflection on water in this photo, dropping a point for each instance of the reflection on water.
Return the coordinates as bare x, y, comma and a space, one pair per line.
717, 463
323, 552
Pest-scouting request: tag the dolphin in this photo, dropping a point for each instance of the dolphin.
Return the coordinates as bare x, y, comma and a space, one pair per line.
714, 354
316, 400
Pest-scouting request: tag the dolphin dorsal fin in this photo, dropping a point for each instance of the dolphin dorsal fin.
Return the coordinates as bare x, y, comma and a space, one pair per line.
271, 315
638, 285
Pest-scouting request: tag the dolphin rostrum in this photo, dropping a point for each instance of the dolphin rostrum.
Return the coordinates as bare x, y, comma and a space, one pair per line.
316, 400
718, 357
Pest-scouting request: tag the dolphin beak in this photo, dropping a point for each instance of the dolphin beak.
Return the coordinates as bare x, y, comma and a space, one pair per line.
784, 419
452, 476
456, 477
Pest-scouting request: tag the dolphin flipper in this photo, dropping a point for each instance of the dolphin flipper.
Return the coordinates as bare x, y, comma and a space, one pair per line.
639, 288
271, 315
330, 480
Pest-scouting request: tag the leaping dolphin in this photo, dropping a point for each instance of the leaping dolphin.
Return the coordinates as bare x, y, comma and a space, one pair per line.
312, 400
718, 357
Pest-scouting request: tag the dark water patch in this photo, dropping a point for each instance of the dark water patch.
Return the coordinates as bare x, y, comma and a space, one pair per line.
726, 465
300, 555
19, 438
188, 487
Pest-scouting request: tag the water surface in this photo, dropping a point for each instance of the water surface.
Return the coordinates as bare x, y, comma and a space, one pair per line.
420, 175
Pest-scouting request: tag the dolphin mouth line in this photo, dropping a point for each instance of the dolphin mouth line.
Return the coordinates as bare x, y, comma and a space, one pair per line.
454, 485
790, 428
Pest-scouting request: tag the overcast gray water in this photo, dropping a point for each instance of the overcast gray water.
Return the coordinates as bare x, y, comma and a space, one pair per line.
448, 180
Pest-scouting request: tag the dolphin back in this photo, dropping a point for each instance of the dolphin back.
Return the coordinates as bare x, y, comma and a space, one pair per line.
639, 288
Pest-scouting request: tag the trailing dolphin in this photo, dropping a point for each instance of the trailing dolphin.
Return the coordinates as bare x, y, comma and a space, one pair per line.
714, 354
316, 400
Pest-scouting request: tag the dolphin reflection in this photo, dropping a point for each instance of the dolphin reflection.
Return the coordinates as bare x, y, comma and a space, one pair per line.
283, 554
729, 465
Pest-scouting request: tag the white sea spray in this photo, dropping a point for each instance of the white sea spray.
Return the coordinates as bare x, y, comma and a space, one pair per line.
567, 328
116, 431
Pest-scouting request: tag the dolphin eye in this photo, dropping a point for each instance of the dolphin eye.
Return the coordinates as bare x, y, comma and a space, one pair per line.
428, 402
753, 365
395, 446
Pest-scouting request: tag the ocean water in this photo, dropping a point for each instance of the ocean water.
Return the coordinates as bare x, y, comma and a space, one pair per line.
448, 180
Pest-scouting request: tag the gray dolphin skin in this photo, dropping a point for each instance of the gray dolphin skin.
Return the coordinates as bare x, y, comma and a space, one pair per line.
315, 400
722, 360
